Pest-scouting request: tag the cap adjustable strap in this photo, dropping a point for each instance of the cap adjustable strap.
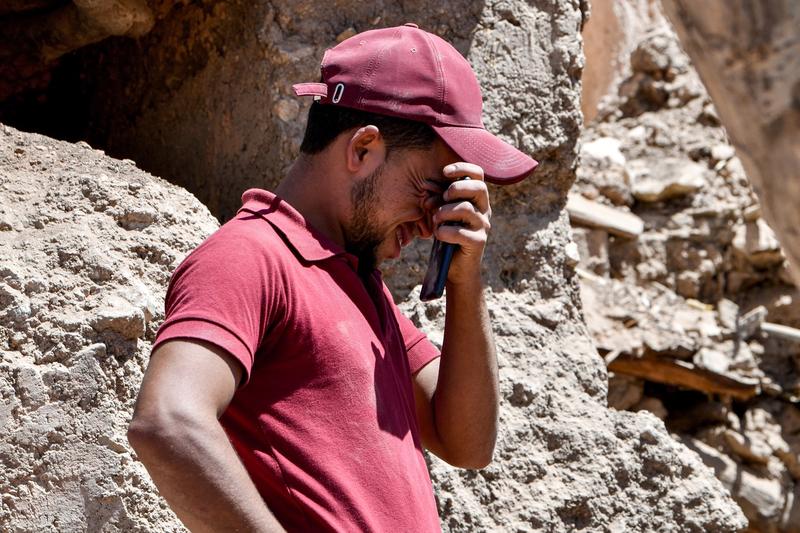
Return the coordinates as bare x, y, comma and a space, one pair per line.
311, 89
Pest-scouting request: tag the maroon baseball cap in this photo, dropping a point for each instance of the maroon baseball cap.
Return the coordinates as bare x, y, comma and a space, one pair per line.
409, 73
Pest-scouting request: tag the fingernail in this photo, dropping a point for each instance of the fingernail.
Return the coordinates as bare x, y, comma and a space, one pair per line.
449, 168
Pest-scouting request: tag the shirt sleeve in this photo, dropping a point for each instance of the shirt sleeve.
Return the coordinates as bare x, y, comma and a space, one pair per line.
221, 294
421, 350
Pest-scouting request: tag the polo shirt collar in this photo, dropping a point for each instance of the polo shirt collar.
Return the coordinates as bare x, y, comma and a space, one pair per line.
304, 239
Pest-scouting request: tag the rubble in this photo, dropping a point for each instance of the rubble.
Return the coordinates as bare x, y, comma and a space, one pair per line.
696, 315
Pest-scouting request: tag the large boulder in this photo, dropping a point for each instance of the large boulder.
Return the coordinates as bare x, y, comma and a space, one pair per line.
88, 244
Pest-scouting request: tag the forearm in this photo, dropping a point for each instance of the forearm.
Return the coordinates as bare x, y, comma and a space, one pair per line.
199, 474
466, 399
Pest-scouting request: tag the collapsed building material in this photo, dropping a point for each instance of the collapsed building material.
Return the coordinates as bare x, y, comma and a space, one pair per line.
596, 215
748, 54
683, 374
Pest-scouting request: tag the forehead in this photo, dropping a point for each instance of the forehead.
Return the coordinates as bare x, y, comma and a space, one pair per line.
433, 160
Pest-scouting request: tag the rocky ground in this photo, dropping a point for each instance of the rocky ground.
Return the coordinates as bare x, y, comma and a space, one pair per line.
87, 245
685, 288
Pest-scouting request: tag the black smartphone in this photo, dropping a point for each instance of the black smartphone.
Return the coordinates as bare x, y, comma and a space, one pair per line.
438, 266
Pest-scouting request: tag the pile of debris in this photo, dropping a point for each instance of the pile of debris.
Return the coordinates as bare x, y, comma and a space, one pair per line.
685, 288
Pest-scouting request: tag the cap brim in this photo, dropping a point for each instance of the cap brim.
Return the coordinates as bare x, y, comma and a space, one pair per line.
502, 163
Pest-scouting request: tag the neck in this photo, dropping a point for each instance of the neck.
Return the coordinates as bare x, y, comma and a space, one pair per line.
315, 193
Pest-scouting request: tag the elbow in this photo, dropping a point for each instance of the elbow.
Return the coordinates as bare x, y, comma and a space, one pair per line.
145, 435
476, 460
471, 458
153, 433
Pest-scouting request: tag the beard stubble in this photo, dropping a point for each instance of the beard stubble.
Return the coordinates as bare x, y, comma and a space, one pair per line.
362, 236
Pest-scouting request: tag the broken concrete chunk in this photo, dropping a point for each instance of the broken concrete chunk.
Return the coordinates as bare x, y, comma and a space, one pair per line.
763, 495
751, 321
728, 313
757, 243
595, 215
624, 392
654, 181
752, 213
722, 152
592, 248
604, 151
747, 449
711, 359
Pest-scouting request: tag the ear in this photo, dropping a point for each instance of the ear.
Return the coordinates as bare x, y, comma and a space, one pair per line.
366, 150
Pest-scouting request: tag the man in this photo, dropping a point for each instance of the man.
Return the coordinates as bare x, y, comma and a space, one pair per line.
285, 389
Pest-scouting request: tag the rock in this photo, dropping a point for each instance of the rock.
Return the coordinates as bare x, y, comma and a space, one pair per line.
604, 151
592, 248
728, 313
751, 321
747, 449
652, 405
713, 360
120, 316
655, 181
573, 254
603, 166
761, 498
656, 54
75, 318
722, 152
624, 392
757, 243
346, 34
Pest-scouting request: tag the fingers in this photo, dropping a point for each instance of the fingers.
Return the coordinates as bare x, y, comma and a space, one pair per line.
470, 190
463, 170
468, 239
462, 213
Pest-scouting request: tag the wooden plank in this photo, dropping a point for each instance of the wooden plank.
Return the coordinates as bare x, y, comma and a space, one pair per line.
683, 374
584, 212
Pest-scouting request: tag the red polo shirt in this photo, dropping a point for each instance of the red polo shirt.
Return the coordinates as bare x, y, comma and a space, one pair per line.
324, 421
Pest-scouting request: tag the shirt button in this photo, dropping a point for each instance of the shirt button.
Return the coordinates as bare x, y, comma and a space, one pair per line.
411, 25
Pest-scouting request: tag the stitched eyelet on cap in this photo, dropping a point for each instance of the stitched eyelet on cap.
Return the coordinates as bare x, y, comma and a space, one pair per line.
337, 93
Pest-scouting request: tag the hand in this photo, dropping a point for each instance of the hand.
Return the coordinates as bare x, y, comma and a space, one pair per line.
466, 202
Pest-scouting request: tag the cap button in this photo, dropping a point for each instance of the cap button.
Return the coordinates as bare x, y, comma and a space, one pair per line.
411, 25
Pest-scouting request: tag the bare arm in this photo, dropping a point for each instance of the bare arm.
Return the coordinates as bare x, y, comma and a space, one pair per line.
176, 434
457, 395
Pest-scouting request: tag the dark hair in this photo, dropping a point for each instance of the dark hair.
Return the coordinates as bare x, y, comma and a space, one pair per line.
326, 122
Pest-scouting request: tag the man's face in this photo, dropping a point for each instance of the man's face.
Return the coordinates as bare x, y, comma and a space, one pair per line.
395, 204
